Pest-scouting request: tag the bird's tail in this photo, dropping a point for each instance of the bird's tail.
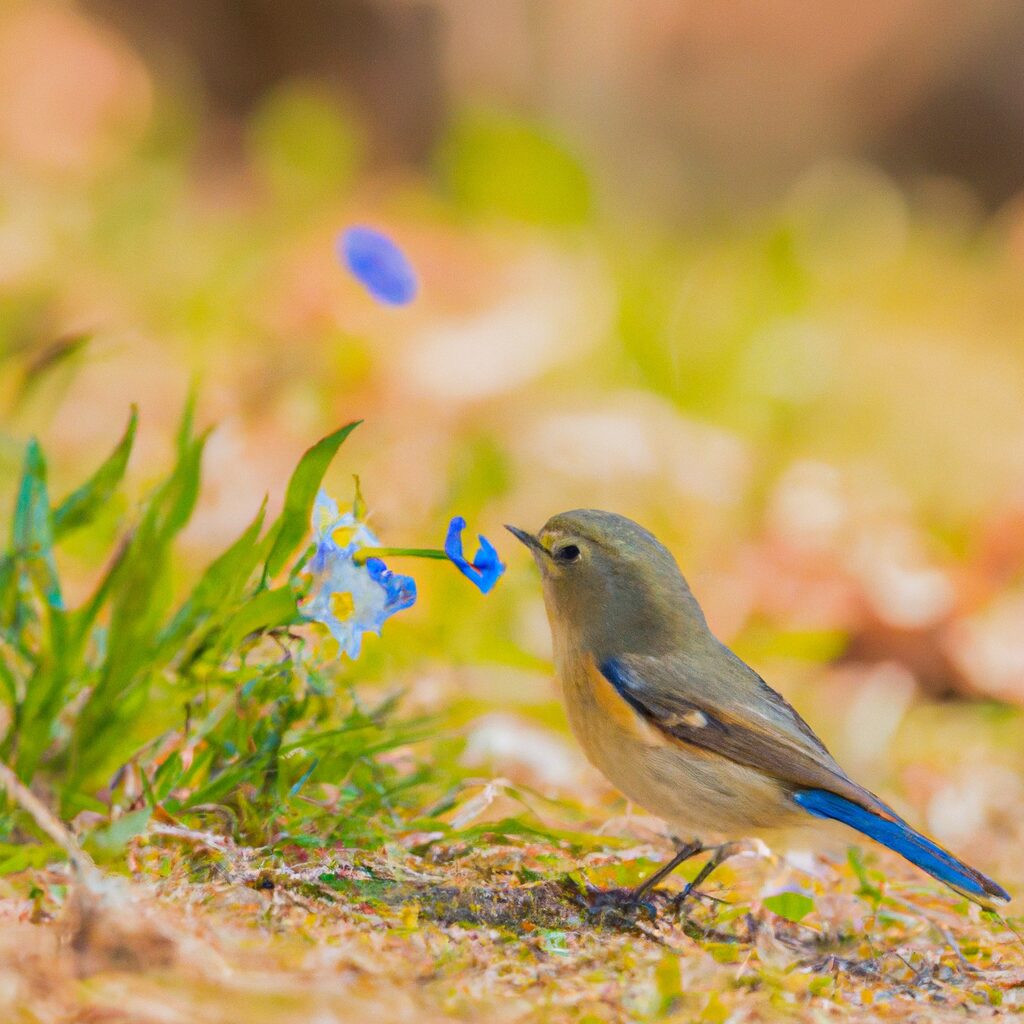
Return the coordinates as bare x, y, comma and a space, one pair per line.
900, 837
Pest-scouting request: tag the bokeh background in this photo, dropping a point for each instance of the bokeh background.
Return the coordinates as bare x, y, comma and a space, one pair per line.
751, 273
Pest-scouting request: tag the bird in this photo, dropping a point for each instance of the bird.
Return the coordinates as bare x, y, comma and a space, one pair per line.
679, 723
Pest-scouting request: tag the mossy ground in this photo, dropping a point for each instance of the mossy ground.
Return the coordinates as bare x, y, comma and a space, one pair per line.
211, 932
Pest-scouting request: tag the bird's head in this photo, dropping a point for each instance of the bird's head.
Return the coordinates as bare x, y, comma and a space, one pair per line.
611, 585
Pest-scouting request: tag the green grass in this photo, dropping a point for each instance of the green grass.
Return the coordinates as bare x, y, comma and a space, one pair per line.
204, 706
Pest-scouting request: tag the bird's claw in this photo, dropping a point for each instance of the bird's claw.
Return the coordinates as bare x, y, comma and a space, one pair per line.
605, 903
678, 902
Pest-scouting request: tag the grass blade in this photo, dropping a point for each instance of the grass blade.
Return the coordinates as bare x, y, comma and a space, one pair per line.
293, 523
32, 535
139, 593
219, 588
81, 506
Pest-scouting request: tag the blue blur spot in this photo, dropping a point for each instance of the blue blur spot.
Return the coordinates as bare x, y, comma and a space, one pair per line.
379, 265
486, 568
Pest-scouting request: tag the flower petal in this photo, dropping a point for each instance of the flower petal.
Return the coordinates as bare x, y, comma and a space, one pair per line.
325, 515
488, 564
453, 543
379, 265
486, 568
400, 590
349, 598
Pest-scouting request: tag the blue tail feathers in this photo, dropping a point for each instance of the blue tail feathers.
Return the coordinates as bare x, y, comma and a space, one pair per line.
898, 836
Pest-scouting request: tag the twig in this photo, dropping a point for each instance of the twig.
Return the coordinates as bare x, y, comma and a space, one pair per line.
51, 825
208, 839
1006, 924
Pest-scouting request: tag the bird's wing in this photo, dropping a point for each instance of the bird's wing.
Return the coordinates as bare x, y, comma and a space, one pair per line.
735, 715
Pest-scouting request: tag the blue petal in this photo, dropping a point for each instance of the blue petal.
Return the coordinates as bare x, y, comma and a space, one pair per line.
379, 265
489, 565
400, 590
486, 568
453, 543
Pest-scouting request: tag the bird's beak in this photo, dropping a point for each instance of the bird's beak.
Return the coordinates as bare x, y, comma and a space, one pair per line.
528, 539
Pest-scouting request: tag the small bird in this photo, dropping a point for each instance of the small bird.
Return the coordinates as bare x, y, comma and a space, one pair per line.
680, 724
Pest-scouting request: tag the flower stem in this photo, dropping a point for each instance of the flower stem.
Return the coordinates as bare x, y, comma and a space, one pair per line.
364, 553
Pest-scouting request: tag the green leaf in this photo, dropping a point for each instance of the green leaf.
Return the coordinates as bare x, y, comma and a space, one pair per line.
31, 535
304, 841
793, 906
867, 887
46, 693
175, 500
46, 364
554, 941
229, 779
293, 523
46, 689
139, 590
303, 778
17, 858
187, 423
167, 776
114, 837
82, 618
269, 609
31, 530
81, 506
220, 586
9, 683
8, 591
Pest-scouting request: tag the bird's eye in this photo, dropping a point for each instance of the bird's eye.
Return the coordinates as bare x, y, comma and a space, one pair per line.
569, 553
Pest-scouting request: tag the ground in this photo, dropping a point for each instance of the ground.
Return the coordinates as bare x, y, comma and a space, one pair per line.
203, 930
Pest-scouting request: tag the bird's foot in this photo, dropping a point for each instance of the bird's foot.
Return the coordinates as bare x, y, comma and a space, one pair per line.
689, 893
616, 905
718, 855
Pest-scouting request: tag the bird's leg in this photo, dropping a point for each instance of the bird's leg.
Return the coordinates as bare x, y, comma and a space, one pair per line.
718, 855
622, 904
684, 853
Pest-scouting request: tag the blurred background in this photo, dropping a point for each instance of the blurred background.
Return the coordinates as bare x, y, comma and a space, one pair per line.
750, 273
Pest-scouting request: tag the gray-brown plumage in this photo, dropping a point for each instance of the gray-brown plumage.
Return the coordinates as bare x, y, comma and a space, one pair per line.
674, 719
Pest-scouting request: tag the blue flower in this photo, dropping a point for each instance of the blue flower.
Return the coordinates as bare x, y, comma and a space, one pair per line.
349, 598
379, 265
485, 569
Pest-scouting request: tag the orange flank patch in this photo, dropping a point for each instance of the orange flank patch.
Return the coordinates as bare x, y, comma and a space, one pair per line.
619, 711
